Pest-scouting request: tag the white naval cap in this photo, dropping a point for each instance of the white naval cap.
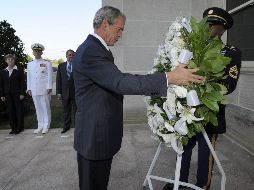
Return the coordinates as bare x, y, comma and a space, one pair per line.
37, 46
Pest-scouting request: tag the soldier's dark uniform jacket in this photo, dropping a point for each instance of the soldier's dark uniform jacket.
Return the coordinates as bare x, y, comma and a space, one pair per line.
232, 71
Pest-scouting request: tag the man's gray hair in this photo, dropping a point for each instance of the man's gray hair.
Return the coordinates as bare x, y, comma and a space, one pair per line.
106, 12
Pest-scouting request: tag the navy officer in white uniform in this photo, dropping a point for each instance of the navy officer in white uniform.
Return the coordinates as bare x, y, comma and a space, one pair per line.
39, 86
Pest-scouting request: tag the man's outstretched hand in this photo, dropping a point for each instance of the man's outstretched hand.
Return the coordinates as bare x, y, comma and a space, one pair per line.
182, 76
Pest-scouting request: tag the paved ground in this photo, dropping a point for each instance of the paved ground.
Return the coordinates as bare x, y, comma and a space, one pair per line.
29, 162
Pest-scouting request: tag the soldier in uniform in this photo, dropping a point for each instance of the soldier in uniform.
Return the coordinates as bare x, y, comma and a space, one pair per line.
219, 21
39, 86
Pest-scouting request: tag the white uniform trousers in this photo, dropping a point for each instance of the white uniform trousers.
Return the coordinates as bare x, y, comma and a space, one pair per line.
43, 111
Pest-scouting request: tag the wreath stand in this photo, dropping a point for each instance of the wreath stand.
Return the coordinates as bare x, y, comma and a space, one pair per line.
176, 181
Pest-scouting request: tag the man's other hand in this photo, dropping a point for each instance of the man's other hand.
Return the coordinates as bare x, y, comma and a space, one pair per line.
21, 97
29, 92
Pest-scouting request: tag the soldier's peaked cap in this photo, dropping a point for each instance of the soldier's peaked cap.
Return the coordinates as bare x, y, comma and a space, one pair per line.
216, 15
37, 46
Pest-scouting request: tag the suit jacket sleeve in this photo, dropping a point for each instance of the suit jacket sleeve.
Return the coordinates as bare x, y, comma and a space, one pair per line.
233, 69
102, 71
50, 71
58, 80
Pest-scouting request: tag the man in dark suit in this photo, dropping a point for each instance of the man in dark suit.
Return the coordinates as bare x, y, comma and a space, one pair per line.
65, 89
99, 90
219, 21
12, 91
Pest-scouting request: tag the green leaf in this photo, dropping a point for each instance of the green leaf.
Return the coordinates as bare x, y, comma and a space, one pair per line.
213, 105
157, 100
214, 96
225, 101
223, 89
201, 90
219, 75
198, 126
184, 140
217, 66
213, 119
209, 87
192, 65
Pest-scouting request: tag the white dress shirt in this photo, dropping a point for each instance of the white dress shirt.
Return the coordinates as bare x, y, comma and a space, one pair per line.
11, 69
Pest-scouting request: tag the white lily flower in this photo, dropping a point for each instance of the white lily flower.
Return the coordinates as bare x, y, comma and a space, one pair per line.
159, 119
180, 91
179, 107
157, 109
187, 114
169, 127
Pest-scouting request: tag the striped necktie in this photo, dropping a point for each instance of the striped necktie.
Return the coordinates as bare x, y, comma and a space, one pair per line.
69, 70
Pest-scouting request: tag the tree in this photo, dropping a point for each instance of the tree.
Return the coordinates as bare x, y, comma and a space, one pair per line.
29, 58
11, 44
55, 62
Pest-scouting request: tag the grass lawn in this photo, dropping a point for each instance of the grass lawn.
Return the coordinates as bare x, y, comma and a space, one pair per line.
31, 121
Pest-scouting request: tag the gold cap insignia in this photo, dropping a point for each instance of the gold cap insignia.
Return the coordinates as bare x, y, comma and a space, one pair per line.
210, 12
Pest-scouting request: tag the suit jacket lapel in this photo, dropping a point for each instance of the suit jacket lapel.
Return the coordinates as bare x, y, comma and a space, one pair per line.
99, 42
6, 73
64, 70
14, 72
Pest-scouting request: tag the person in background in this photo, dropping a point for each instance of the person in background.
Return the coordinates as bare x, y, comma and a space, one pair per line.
12, 91
220, 21
65, 89
39, 86
99, 90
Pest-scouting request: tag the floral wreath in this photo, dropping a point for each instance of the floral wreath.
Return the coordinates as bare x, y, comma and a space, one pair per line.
187, 109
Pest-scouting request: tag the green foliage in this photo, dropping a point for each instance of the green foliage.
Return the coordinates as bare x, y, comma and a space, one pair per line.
29, 58
55, 62
10, 44
157, 100
211, 64
162, 68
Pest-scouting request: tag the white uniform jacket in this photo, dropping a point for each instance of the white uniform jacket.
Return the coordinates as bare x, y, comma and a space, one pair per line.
39, 76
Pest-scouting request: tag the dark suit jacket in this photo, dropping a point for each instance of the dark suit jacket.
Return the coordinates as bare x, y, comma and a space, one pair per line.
14, 84
100, 87
232, 71
64, 86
